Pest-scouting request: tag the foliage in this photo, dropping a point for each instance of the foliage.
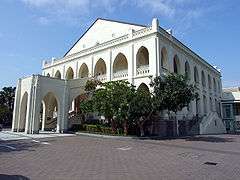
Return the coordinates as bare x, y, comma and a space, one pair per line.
173, 92
7, 104
123, 106
141, 108
99, 129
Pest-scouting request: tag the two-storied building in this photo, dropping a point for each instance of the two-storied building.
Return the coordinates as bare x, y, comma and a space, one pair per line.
113, 50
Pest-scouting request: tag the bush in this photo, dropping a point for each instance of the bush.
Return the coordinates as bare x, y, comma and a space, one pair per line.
100, 129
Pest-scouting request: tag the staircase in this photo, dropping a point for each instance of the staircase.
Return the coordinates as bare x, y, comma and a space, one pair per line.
212, 124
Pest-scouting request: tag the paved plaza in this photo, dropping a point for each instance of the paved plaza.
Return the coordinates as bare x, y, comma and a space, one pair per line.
82, 157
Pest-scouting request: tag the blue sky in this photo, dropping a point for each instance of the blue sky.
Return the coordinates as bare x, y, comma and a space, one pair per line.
33, 30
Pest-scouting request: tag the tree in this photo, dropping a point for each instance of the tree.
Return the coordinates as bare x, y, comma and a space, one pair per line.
7, 104
111, 100
141, 108
173, 92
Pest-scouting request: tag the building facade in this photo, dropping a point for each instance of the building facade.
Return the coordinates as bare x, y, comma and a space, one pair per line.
231, 109
112, 50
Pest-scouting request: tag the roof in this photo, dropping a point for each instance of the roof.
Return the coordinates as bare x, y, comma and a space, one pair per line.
122, 22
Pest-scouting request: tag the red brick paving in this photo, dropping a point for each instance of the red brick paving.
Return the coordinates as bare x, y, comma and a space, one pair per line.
101, 159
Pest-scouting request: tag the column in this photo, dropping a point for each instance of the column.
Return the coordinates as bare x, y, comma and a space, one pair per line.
16, 120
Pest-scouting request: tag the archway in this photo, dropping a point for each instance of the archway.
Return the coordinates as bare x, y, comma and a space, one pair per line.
69, 73
164, 58
204, 104
214, 85
142, 57
187, 70
203, 79
196, 76
83, 71
120, 66
58, 75
49, 113
143, 87
176, 65
23, 112
209, 82
100, 68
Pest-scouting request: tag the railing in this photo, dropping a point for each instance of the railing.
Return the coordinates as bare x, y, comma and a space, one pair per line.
102, 77
120, 74
143, 70
112, 42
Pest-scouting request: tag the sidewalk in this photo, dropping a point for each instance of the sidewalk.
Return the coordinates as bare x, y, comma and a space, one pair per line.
9, 135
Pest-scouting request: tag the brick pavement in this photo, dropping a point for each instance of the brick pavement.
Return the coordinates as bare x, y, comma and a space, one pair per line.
84, 158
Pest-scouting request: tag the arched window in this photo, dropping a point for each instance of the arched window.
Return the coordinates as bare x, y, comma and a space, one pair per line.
176, 65
143, 87
219, 86
187, 70
100, 68
211, 103
69, 73
120, 66
142, 57
58, 75
214, 85
83, 71
205, 104
209, 82
164, 58
196, 76
203, 79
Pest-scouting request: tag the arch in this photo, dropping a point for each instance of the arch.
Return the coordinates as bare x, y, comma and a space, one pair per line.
100, 68
69, 73
196, 76
48, 75
219, 86
209, 82
214, 85
205, 104
203, 79
176, 65
83, 71
142, 58
187, 70
143, 87
164, 58
50, 112
58, 75
120, 63
23, 112
211, 103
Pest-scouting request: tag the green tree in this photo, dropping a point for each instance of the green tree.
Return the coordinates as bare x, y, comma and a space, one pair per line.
111, 100
7, 104
173, 92
141, 108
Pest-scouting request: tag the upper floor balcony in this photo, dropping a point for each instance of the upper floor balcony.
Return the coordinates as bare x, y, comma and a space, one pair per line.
143, 70
123, 74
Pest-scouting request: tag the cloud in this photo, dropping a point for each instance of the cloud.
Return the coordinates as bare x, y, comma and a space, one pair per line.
181, 14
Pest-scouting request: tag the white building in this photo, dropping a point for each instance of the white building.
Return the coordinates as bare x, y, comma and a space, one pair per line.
113, 50
231, 108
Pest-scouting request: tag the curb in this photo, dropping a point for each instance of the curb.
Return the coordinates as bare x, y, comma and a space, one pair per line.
105, 136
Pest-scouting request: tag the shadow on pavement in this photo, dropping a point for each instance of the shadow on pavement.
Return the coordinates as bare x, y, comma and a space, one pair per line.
23, 145
13, 177
213, 139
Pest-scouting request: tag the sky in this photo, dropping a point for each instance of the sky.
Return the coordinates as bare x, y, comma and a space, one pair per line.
35, 30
